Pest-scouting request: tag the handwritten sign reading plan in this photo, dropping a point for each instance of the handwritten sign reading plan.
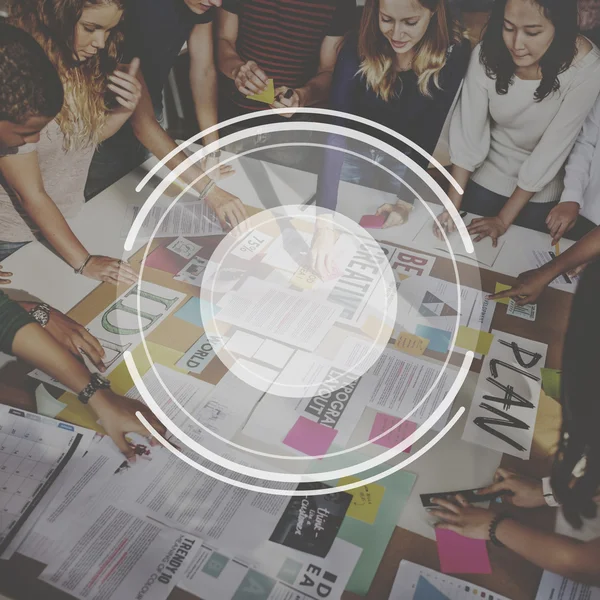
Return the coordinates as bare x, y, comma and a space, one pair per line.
505, 404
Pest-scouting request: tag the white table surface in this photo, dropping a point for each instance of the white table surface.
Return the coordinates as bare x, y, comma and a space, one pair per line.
452, 464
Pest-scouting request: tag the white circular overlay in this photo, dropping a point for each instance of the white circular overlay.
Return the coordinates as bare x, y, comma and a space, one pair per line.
294, 283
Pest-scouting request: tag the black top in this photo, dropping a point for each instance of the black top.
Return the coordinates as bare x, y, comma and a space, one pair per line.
408, 112
155, 32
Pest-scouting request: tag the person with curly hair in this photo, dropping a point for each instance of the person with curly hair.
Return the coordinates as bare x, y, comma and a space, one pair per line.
529, 87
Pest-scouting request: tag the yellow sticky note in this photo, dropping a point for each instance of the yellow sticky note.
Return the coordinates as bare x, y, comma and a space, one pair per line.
411, 344
304, 278
500, 287
120, 378
267, 95
366, 500
474, 340
376, 329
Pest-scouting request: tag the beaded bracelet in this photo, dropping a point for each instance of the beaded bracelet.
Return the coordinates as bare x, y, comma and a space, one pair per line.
494, 525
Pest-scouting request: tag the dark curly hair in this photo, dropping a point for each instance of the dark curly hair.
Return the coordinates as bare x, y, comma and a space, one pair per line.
30, 84
496, 58
580, 405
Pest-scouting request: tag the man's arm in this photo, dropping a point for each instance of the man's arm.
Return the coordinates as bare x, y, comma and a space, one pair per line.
146, 128
203, 78
316, 89
249, 78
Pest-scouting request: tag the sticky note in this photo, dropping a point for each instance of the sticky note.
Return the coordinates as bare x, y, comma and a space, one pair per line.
375, 328
439, 339
501, 287
459, 554
192, 310
267, 95
366, 500
384, 423
411, 344
425, 590
372, 221
309, 437
474, 340
304, 278
551, 382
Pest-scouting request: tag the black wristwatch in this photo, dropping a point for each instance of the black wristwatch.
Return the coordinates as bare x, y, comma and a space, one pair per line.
97, 382
494, 525
41, 313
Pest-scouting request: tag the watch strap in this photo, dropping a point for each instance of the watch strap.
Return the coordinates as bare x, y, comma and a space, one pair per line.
97, 382
41, 313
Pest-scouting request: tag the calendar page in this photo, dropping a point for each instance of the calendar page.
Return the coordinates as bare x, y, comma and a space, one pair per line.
33, 452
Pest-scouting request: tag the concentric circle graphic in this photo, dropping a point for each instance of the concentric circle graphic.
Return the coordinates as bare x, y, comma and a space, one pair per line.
298, 304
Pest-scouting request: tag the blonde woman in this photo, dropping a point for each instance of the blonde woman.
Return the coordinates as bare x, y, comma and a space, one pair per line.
402, 71
43, 183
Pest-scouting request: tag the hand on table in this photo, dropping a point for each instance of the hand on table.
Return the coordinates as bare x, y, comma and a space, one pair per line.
562, 219
528, 288
447, 223
462, 518
483, 227
286, 97
526, 492
250, 79
397, 214
321, 252
75, 338
126, 86
4, 275
118, 417
221, 172
229, 209
110, 270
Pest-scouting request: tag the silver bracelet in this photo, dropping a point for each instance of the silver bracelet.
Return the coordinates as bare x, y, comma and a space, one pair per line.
548, 494
79, 271
206, 190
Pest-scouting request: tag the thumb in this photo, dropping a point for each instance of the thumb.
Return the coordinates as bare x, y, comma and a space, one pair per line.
121, 443
134, 66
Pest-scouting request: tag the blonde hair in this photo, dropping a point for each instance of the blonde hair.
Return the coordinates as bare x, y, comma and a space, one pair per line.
52, 23
377, 56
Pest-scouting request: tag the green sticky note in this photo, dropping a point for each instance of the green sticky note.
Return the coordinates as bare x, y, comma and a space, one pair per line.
551, 382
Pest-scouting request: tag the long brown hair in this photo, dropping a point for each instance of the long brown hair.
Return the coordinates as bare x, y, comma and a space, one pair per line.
377, 56
52, 23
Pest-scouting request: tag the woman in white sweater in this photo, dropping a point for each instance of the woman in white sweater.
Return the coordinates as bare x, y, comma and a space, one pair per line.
528, 89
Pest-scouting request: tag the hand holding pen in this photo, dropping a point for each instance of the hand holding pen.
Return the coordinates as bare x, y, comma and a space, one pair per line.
286, 97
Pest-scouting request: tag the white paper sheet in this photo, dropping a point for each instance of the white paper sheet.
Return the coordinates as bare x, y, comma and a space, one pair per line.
408, 576
200, 354
539, 258
397, 383
189, 219
407, 263
33, 452
277, 575
193, 272
283, 315
185, 248
556, 587
495, 421
118, 554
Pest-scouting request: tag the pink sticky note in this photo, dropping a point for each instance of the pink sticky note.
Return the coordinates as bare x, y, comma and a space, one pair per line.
459, 554
309, 437
384, 423
372, 221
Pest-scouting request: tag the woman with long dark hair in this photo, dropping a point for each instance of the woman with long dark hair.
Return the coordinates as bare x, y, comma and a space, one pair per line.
575, 480
528, 89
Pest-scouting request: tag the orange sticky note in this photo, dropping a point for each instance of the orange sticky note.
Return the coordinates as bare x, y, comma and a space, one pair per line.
267, 95
501, 287
411, 344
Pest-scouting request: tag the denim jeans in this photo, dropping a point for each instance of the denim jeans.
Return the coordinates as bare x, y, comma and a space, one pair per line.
481, 201
8, 248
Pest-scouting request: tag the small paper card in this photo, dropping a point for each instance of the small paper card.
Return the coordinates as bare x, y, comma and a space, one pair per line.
372, 221
459, 554
184, 247
411, 344
527, 312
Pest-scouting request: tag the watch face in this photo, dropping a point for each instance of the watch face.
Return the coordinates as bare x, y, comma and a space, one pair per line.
41, 315
101, 381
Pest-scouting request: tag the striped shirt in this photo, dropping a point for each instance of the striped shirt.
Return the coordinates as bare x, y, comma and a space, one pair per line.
284, 38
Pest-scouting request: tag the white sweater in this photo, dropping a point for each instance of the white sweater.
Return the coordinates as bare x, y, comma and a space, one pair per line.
582, 173
510, 140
